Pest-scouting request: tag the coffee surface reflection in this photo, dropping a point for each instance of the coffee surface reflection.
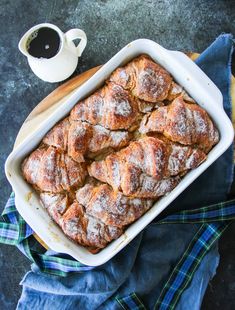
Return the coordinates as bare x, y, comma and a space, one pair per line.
44, 43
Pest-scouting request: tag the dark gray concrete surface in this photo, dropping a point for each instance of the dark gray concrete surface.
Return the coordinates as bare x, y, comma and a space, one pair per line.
177, 24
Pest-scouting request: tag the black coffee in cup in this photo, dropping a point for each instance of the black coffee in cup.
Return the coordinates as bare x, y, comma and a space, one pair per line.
43, 43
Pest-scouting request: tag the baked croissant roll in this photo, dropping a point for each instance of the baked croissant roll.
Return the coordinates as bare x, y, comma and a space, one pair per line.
89, 140
49, 170
130, 179
182, 122
81, 139
111, 107
112, 207
144, 78
145, 168
76, 224
87, 230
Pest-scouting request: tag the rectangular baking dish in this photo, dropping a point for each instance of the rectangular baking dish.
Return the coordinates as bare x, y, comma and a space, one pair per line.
187, 74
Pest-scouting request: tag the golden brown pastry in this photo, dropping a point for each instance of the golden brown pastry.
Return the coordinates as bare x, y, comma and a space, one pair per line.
111, 107
80, 139
144, 78
112, 207
52, 171
31, 164
89, 140
130, 179
145, 168
76, 224
58, 135
182, 122
87, 230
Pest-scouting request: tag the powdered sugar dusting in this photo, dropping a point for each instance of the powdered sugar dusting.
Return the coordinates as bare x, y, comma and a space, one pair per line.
123, 75
137, 202
72, 227
118, 137
101, 202
49, 162
152, 188
115, 174
181, 124
192, 160
122, 108
33, 167
50, 199
113, 231
93, 227
154, 160
158, 160
176, 159
189, 116
148, 185
166, 185
78, 130
148, 80
200, 123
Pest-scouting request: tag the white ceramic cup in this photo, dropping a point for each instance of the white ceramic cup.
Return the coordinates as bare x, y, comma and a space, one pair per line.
63, 64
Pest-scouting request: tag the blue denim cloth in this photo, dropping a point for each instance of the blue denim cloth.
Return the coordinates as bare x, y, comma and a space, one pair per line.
145, 264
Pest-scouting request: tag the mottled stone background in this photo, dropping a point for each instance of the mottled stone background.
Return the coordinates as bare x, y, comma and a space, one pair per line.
176, 24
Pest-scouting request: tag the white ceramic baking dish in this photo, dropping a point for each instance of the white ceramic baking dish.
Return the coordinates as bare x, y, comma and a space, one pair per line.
187, 74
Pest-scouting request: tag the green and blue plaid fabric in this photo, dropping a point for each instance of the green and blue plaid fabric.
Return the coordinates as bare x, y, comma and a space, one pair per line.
183, 272
15, 231
214, 219
130, 302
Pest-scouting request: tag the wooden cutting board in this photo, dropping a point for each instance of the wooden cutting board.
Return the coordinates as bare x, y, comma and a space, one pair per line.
60, 95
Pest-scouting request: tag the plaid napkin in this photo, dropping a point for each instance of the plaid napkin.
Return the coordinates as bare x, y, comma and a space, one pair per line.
158, 269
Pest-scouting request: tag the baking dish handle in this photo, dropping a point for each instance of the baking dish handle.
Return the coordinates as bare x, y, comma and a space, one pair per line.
191, 66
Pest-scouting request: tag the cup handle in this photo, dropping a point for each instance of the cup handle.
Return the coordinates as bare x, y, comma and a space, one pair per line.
73, 34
